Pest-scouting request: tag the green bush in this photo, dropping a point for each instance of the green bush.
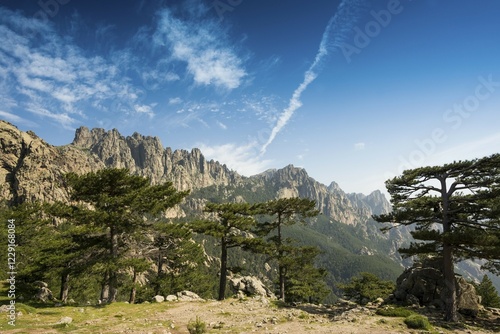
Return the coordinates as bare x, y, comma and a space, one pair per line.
395, 312
367, 288
196, 326
417, 321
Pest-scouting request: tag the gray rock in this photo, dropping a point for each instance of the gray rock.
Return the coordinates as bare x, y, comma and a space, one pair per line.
171, 298
158, 299
250, 286
44, 295
65, 320
423, 286
188, 296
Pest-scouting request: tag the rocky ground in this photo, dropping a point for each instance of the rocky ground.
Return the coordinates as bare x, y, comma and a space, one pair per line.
251, 315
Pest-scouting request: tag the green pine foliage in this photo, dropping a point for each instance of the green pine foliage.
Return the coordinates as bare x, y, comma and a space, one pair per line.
488, 293
279, 214
454, 209
304, 281
367, 288
230, 226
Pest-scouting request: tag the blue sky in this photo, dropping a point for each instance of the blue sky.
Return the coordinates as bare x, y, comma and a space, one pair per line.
354, 91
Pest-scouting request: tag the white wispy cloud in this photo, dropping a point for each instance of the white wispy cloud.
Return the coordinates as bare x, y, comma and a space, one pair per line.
335, 32
62, 118
16, 119
174, 100
478, 148
221, 125
54, 79
242, 158
359, 146
203, 46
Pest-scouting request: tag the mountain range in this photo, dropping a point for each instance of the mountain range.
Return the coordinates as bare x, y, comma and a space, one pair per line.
351, 242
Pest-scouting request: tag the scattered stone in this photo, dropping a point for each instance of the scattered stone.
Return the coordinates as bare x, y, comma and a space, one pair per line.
158, 299
65, 320
188, 296
171, 298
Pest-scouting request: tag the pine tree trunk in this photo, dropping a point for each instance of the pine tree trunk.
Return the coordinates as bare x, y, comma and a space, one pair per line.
112, 278
133, 291
282, 282
450, 291
281, 269
105, 288
63, 295
223, 269
159, 271
113, 290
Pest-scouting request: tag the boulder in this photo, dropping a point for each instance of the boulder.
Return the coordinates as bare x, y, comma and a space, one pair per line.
249, 286
158, 299
44, 295
469, 303
171, 298
423, 286
188, 296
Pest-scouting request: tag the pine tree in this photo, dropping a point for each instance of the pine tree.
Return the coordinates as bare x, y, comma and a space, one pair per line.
304, 281
180, 261
455, 210
283, 212
367, 287
114, 206
230, 226
488, 293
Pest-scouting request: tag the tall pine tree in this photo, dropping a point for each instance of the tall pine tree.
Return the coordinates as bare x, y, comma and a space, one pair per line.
455, 211
115, 204
283, 212
231, 223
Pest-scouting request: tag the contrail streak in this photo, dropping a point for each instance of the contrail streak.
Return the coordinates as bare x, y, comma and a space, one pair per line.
335, 33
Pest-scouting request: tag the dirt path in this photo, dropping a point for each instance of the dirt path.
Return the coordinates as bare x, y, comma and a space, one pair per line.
231, 316
260, 316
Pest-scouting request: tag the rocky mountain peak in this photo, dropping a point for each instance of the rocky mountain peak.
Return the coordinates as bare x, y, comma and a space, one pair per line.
31, 169
378, 202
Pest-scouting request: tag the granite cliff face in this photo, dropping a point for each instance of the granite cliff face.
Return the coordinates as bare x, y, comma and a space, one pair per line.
145, 155
332, 201
32, 169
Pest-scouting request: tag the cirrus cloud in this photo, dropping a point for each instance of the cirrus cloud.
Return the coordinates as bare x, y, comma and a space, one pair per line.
203, 47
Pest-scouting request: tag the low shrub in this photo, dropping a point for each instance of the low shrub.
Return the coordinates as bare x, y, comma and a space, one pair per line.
417, 321
196, 326
395, 312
